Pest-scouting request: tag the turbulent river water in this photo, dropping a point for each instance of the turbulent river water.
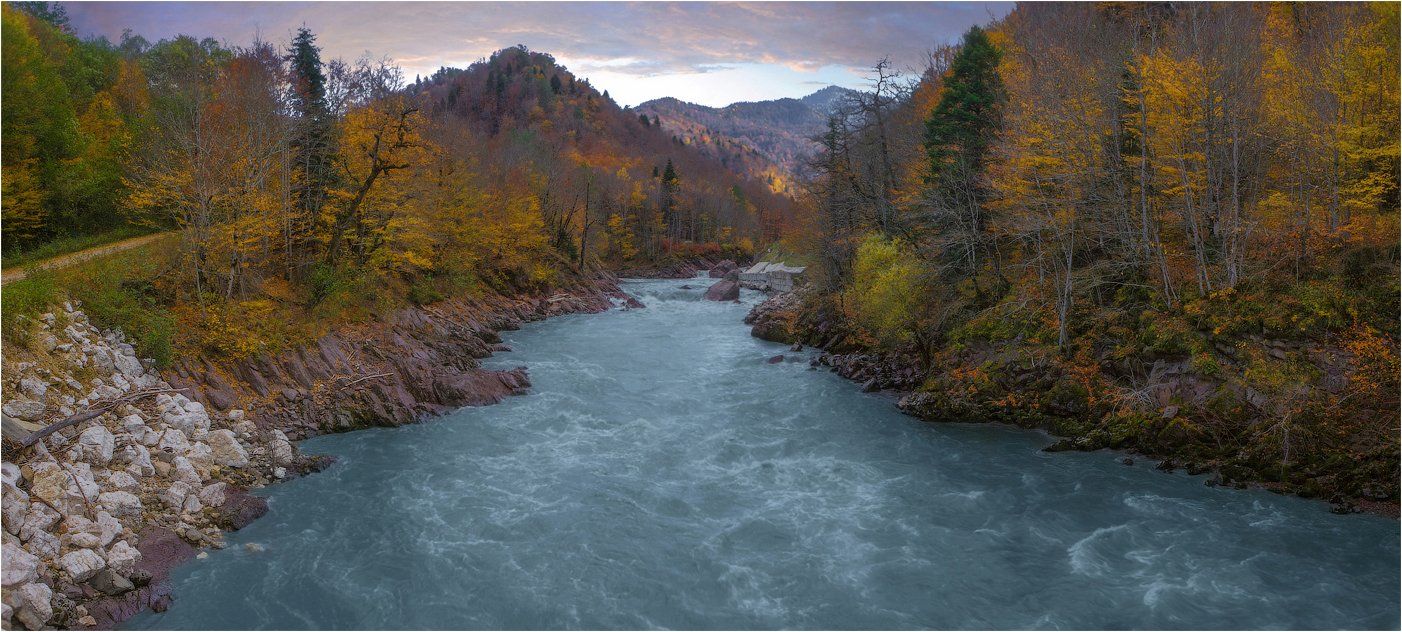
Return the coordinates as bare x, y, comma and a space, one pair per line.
660, 474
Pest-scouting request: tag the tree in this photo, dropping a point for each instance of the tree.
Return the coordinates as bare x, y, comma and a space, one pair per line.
957, 137
37, 126
51, 12
668, 188
313, 145
380, 134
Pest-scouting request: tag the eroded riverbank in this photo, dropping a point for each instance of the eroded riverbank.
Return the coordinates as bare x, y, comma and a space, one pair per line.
148, 467
660, 473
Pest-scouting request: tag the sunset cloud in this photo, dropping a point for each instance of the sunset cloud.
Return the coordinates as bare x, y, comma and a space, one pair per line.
631, 49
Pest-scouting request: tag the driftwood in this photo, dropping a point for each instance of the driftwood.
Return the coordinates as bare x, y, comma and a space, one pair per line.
362, 379
94, 412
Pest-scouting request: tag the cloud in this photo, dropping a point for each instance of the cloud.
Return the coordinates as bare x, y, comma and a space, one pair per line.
638, 40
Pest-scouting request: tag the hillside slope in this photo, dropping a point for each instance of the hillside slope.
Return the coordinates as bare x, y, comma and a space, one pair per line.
770, 140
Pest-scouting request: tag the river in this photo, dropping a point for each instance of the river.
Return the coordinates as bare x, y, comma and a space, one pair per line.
660, 474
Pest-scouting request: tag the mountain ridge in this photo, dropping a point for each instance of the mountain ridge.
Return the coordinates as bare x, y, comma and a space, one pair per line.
770, 140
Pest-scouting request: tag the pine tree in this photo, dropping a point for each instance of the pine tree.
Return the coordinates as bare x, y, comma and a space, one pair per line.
313, 142
555, 84
958, 134
963, 123
671, 185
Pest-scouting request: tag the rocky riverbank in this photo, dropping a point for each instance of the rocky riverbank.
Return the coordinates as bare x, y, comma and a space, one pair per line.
97, 513
1156, 406
91, 509
418, 361
674, 269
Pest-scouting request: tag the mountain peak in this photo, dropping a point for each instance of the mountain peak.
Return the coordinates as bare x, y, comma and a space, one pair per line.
825, 99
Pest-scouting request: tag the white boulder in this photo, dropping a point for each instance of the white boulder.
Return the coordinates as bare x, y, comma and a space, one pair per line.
185, 471
82, 564
129, 365
33, 387
39, 519
282, 449
138, 460
174, 496
123, 557
35, 609
120, 503
109, 528
95, 445
20, 566
15, 508
213, 494
227, 449
122, 481
24, 408
10, 473
81, 533
174, 441
45, 545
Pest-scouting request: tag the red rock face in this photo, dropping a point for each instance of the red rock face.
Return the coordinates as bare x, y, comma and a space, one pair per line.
161, 550
684, 270
420, 361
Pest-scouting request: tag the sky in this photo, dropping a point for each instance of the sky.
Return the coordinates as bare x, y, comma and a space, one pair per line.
708, 53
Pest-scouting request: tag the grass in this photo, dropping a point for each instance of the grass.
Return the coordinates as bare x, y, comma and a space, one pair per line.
66, 245
115, 290
777, 252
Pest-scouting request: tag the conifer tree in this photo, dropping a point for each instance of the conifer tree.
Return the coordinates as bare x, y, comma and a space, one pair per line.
958, 134
313, 142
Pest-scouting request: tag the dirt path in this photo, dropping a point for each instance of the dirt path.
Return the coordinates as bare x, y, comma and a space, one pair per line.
63, 261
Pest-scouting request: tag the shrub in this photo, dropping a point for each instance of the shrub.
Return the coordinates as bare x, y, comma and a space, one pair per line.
423, 292
886, 291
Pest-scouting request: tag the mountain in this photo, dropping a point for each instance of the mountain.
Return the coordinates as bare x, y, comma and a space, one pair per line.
827, 99
769, 140
583, 151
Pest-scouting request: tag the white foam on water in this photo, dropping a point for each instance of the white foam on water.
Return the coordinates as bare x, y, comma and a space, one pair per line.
659, 474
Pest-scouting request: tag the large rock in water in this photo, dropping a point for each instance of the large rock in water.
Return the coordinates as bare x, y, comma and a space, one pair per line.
239, 508
722, 268
727, 290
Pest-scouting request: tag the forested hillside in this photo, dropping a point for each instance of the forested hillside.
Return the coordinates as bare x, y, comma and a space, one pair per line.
1171, 227
769, 140
73, 111
303, 192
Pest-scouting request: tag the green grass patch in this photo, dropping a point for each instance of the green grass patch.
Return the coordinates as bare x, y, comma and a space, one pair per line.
115, 291
25, 299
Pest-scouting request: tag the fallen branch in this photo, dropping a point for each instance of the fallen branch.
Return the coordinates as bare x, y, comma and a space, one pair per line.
78, 486
96, 411
362, 379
